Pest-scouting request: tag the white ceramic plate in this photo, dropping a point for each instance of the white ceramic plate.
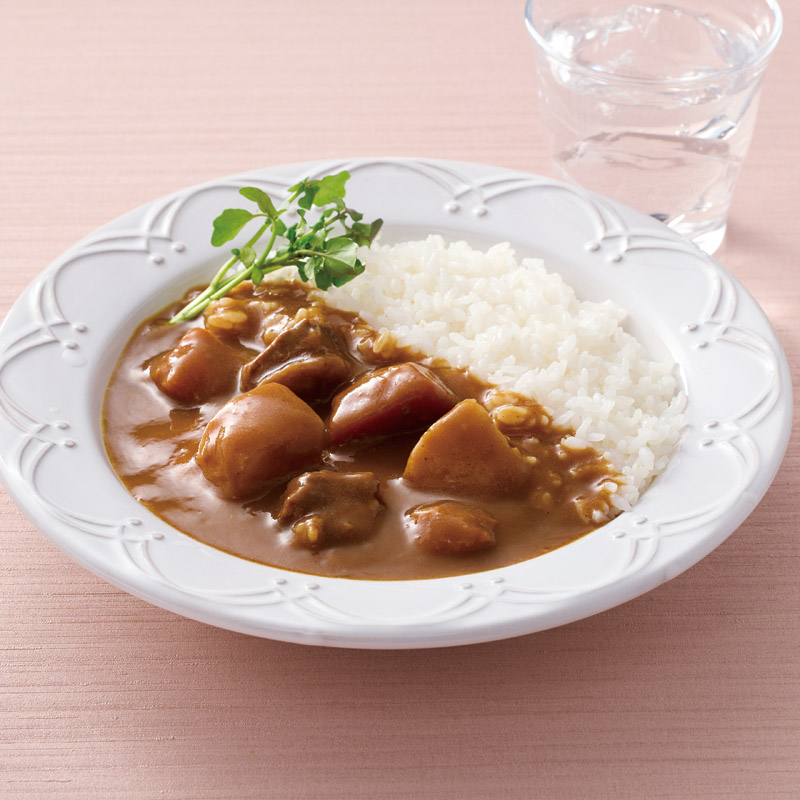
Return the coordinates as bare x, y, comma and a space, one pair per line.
61, 340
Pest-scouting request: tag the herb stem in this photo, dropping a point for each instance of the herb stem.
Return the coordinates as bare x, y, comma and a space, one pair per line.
268, 248
220, 290
325, 249
206, 296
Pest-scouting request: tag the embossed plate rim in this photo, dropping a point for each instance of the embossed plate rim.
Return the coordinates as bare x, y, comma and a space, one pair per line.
49, 430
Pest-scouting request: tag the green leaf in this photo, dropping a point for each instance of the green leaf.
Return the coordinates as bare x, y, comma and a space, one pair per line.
247, 255
306, 243
228, 224
313, 240
318, 239
322, 278
365, 233
304, 192
300, 186
360, 232
340, 255
306, 198
341, 280
331, 188
374, 229
261, 198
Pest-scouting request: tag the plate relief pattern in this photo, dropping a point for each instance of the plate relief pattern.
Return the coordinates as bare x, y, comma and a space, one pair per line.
129, 546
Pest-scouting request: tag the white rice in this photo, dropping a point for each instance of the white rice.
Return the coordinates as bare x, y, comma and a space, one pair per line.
523, 329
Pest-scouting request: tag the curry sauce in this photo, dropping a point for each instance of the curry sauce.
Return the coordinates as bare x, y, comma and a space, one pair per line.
395, 465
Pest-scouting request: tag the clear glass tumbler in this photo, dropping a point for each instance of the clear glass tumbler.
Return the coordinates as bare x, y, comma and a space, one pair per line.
654, 103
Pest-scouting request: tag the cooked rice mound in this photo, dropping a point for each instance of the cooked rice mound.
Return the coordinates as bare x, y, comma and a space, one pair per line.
524, 330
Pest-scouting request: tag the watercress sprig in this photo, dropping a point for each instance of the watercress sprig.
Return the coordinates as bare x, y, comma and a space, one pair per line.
325, 249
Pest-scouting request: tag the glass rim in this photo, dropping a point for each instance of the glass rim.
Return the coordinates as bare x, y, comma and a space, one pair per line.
756, 61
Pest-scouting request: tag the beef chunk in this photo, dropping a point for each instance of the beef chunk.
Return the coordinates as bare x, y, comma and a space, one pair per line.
308, 357
199, 368
464, 454
389, 401
451, 528
314, 378
259, 438
328, 508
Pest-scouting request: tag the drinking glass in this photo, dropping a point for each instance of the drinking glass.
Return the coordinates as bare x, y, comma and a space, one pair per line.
654, 103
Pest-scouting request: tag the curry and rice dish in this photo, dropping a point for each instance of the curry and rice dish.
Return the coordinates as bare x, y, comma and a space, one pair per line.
285, 429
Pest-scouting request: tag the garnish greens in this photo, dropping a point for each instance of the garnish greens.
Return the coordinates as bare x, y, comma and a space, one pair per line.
325, 249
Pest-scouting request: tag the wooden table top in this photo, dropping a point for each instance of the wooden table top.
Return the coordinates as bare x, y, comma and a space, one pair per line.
691, 691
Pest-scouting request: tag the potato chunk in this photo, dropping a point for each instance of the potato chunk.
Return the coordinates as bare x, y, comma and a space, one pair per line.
327, 508
258, 438
197, 369
465, 455
392, 400
451, 528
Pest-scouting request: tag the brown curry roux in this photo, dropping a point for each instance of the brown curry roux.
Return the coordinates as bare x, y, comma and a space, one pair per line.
153, 438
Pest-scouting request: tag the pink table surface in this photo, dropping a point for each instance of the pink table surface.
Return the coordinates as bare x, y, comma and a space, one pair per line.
691, 691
